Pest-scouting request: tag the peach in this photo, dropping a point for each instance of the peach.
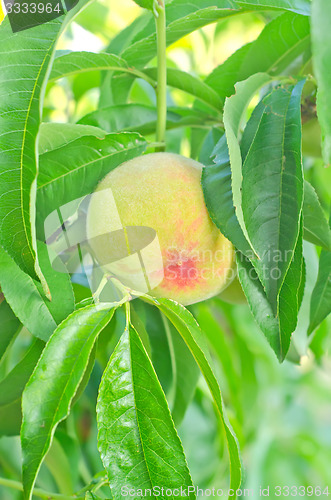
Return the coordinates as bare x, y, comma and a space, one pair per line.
157, 234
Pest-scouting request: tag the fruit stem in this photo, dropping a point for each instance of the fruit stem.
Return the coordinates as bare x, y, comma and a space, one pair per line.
161, 89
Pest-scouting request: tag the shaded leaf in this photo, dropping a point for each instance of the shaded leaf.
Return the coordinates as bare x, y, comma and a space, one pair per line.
316, 227
234, 112
185, 373
48, 395
24, 298
63, 302
10, 325
137, 440
320, 305
217, 188
11, 386
146, 4
190, 84
143, 119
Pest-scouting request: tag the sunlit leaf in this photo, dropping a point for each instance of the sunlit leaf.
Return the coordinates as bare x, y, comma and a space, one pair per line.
25, 61
47, 396
90, 158
137, 439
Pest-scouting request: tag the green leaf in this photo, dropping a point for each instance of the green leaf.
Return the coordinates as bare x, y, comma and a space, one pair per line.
320, 305
12, 385
321, 48
189, 84
10, 325
23, 296
47, 396
299, 6
277, 327
192, 335
143, 119
62, 295
185, 373
137, 439
81, 62
61, 170
161, 357
25, 61
234, 113
145, 4
55, 135
271, 53
272, 187
217, 188
10, 419
316, 227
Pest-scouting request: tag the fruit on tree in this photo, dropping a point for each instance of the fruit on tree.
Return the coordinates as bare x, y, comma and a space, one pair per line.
157, 234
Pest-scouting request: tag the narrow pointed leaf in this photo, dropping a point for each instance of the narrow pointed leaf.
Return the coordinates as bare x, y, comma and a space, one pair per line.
272, 188
320, 305
316, 227
10, 325
55, 135
137, 440
25, 61
277, 327
25, 299
48, 395
192, 335
321, 47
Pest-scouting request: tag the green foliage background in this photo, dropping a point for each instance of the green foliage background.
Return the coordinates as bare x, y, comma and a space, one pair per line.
280, 412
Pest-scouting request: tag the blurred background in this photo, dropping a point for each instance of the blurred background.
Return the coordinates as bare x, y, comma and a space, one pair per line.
281, 413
